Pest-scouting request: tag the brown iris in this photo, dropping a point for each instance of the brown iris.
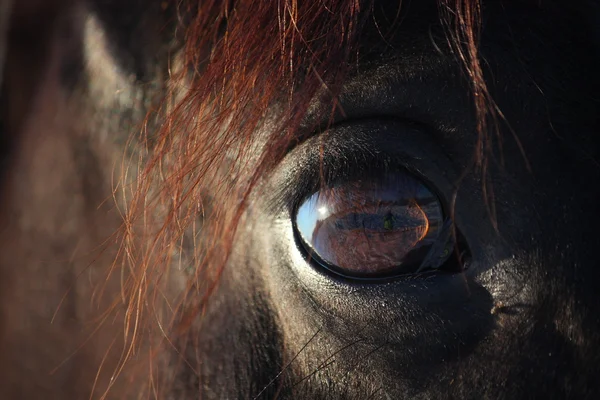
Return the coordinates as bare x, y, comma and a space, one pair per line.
374, 227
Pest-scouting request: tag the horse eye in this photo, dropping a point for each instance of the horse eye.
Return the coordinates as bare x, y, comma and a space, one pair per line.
375, 228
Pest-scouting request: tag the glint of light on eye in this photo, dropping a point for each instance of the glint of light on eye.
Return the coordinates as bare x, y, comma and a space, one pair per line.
388, 225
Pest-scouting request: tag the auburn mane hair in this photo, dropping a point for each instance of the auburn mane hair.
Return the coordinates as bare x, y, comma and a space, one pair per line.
241, 61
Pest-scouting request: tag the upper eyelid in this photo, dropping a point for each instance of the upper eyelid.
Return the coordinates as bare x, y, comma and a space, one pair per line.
355, 148
387, 92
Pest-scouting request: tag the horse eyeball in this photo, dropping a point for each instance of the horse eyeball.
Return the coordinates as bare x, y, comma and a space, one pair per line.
379, 227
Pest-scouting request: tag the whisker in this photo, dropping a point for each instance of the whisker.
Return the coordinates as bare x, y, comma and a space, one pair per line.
284, 369
326, 363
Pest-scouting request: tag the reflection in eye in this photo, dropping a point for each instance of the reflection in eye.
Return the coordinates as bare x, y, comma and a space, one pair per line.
376, 227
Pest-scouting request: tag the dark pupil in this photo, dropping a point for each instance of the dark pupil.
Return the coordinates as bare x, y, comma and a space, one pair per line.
370, 227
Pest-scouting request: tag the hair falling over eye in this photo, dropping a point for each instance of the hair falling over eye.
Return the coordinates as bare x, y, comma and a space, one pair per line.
241, 60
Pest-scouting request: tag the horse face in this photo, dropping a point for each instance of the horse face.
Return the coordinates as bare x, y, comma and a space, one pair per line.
516, 318
509, 310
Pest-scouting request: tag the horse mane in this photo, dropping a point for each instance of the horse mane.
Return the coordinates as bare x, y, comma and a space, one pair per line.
241, 60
